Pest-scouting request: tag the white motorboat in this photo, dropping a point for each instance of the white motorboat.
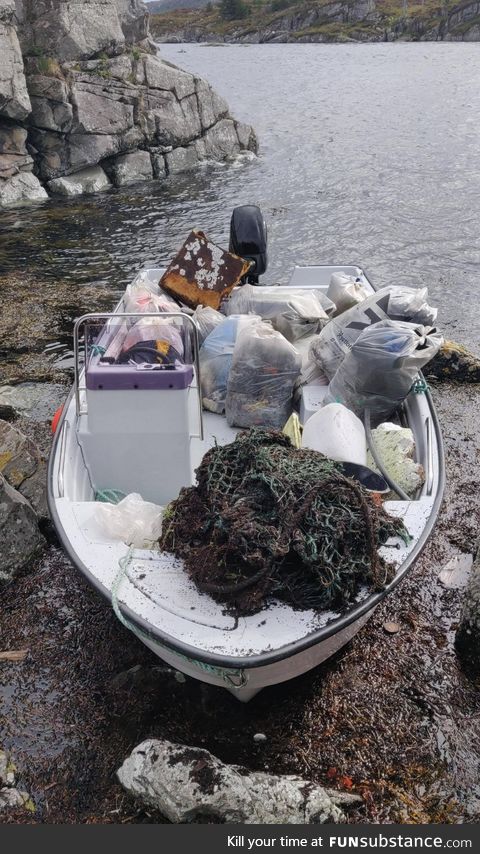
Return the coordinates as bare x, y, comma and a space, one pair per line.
141, 430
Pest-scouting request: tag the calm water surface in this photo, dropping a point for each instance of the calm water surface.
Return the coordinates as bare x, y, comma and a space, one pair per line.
369, 153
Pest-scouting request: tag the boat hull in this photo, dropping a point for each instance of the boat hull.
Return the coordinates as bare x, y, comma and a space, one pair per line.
246, 682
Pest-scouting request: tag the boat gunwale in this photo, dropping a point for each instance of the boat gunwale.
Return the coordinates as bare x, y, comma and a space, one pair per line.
262, 659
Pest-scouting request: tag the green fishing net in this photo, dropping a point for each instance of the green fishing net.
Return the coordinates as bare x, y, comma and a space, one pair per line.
270, 520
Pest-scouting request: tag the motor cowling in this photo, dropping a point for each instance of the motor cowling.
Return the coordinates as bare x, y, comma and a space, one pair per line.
248, 238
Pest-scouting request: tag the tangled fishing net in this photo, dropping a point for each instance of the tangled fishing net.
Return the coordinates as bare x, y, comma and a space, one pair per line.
269, 520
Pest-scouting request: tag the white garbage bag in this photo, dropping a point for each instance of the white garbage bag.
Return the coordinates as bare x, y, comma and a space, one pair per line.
346, 291
339, 335
294, 312
134, 521
264, 370
382, 366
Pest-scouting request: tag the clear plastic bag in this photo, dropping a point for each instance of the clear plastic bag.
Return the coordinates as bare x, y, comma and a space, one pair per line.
142, 296
264, 370
134, 521
294, 312
381, 367
206, 320
346, 291
153, 329
216, 354
339, 335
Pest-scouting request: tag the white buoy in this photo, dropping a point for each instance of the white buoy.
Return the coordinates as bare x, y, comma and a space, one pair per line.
337, 433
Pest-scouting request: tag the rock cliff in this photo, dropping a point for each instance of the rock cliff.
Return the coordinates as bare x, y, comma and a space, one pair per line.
326, 21
85, 101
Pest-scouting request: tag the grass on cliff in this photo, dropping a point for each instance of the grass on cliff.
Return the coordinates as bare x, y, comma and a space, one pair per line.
419, 18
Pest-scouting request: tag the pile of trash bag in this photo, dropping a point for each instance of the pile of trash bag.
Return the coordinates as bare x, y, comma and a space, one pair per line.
269, 520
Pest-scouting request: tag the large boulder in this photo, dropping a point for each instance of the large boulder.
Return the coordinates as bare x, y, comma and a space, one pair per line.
91, 180
21, 189
133, 16
14, 100
186, 783
72, 29
19, 533
10, 797
131, 168
23, 467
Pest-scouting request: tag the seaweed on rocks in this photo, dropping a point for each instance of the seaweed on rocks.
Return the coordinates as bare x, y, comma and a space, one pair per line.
267, 519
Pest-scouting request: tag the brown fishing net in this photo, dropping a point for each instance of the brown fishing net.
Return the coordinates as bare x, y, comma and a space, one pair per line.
268, 520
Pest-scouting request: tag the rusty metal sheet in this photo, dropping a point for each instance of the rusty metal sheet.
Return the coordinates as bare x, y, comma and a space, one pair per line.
202, 273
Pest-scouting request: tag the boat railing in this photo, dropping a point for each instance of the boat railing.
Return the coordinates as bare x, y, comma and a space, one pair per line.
81, 344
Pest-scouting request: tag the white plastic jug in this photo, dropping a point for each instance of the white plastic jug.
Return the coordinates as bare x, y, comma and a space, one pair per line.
336, 432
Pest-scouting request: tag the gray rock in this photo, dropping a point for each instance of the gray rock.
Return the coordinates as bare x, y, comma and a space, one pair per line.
10, 797
91, 180
12, 139
74, 29
21, 189
7, 770
19, 533
158, 163
99, 112
467, 638
12, 164
162, 75
14, 100
246, 137
221, 141
133, 15
52, 115
182, 159
23, 467
212, 106
131, 168
184, 783
173, 122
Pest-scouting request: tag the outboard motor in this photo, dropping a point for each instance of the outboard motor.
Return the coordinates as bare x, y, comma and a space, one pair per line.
248, 238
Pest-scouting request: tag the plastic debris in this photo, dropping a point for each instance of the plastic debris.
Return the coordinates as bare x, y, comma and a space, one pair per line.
397, 303
293, 429
206, 319
381, 367
293, 312
395, 446
216, 355
136, 522
337, 433
265, 367
346, 291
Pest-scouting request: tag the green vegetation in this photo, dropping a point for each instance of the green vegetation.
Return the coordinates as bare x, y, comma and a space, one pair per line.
234, 18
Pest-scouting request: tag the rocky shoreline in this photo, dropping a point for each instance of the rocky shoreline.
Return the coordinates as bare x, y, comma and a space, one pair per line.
86, 103
324, 22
